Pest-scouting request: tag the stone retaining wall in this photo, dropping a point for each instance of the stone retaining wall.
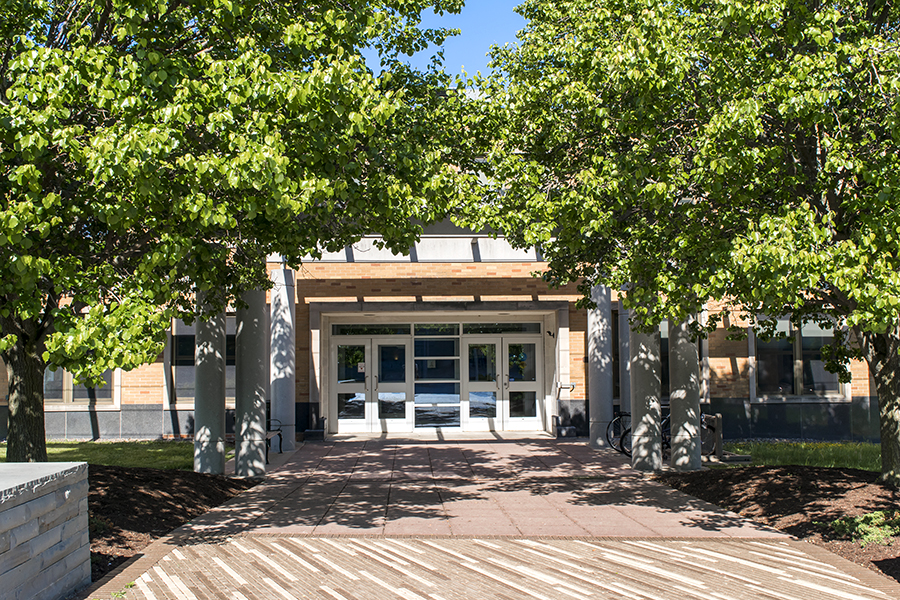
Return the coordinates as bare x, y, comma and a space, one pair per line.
45, 552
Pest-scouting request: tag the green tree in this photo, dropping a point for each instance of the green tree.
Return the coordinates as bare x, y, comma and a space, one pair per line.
696, 149
150, 149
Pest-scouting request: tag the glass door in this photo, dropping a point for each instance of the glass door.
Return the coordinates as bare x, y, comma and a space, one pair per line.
391, 407
482, 377
352, 386
522, 402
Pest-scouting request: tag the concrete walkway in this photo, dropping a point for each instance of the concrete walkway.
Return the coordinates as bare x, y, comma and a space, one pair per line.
477, 518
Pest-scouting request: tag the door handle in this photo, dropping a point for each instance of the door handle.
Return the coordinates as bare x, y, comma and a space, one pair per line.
497, 380
376, 382
506, 380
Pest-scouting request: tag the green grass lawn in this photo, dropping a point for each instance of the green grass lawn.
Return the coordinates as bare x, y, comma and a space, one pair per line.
851, 455
155, 454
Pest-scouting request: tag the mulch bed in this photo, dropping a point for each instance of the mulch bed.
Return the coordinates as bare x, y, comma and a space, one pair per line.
129, 508
801, 501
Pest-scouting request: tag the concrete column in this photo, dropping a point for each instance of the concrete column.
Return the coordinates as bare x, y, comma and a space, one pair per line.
282, 366
250, 387
624, 360
600, 366
684, 397
209, 395
646, 369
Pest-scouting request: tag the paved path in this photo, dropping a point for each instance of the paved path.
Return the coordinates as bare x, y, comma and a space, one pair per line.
438, 519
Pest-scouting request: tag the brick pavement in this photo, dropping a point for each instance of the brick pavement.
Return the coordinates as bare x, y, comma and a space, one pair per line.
477, 518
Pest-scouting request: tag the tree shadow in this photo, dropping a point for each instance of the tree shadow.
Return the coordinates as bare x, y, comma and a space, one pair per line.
362, 487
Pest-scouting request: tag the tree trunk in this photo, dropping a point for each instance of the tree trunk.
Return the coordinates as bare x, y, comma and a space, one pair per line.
883, 356
26, 440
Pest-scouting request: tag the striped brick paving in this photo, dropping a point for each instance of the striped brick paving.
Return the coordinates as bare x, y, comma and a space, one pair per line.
505, 519
458, 568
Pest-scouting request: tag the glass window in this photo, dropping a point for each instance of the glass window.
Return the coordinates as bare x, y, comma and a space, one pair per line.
351, 406
60, 387
483, 404
793, 364
482, 362
53, 385
522, 404
437, 416
104, 393
437, 348
616, 365
775, 366
440, 329
351, 364
522, 365
372, 329
437, 393
391, 405
816, 379
501, 328
664, 358
437, 368
183, 376
392, 364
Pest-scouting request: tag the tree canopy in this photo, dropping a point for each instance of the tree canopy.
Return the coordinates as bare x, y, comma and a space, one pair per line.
684, 150
151, 149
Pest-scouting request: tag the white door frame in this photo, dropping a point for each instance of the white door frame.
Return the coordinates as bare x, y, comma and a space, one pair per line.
391, 425
532, 423
550, 356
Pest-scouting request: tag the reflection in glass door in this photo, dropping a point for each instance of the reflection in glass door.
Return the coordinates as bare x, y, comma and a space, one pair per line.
522, 384
352, 387
390, 393
482, 385
521, 379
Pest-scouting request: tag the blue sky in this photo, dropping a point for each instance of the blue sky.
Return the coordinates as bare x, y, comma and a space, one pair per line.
482, 23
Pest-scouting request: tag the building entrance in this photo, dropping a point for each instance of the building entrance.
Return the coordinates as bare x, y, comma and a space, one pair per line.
467, 377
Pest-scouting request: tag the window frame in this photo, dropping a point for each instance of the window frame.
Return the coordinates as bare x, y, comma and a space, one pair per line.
170, 398
70, 404
798, 394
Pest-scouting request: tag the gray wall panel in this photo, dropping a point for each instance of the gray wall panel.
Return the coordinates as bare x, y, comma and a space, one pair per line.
86, 424
178, 422
826, 421
811, 420
142, 421
55, 425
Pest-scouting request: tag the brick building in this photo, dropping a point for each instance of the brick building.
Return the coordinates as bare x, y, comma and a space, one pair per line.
460, 335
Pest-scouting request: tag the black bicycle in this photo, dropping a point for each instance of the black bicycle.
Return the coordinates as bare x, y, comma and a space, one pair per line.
616, 428
707, 437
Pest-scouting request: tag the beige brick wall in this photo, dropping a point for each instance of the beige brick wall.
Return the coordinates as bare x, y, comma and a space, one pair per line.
144, 385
